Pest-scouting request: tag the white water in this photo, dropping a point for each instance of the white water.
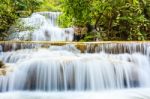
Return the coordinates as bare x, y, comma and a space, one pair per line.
42, 27
121, 94
63, 72
65, 68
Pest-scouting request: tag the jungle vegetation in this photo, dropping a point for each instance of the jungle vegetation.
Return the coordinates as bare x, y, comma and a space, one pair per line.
104, 19
111, 19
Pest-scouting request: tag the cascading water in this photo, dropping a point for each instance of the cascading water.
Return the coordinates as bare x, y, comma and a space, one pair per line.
42, 26
81, 70
64, 68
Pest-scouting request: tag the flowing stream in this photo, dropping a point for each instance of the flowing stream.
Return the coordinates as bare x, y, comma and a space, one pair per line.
73, 70
42, 26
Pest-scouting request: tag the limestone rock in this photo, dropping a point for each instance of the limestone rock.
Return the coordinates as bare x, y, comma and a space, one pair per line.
80, 30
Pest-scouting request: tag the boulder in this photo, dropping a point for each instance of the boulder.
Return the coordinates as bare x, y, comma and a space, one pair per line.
80, 30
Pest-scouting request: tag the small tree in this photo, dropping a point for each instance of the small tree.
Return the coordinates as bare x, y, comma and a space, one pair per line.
7, 16
9, 12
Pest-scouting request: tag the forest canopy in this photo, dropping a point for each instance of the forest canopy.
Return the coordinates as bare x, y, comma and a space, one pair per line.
112, 19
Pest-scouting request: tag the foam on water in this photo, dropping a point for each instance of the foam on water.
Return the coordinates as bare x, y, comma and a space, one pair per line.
121, 94
42, 27
65, 68
63, 72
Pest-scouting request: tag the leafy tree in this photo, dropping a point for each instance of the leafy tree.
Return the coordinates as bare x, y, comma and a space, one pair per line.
112, 19
29, 6
7, 16
11, 10
51, 5
76, 12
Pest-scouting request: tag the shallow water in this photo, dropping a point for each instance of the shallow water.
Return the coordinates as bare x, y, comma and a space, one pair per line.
119, 94
65, 69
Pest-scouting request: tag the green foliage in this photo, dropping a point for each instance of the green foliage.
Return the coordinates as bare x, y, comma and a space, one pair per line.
112, 19
11, 10
7, 16
50, 5
28, 6
76, 12
121, 20
89, 37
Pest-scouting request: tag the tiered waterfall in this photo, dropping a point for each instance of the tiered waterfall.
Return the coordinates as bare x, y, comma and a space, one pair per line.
33, 66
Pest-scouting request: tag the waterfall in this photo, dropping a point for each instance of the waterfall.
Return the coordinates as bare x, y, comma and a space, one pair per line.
36, 64
65, 68
42, 26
